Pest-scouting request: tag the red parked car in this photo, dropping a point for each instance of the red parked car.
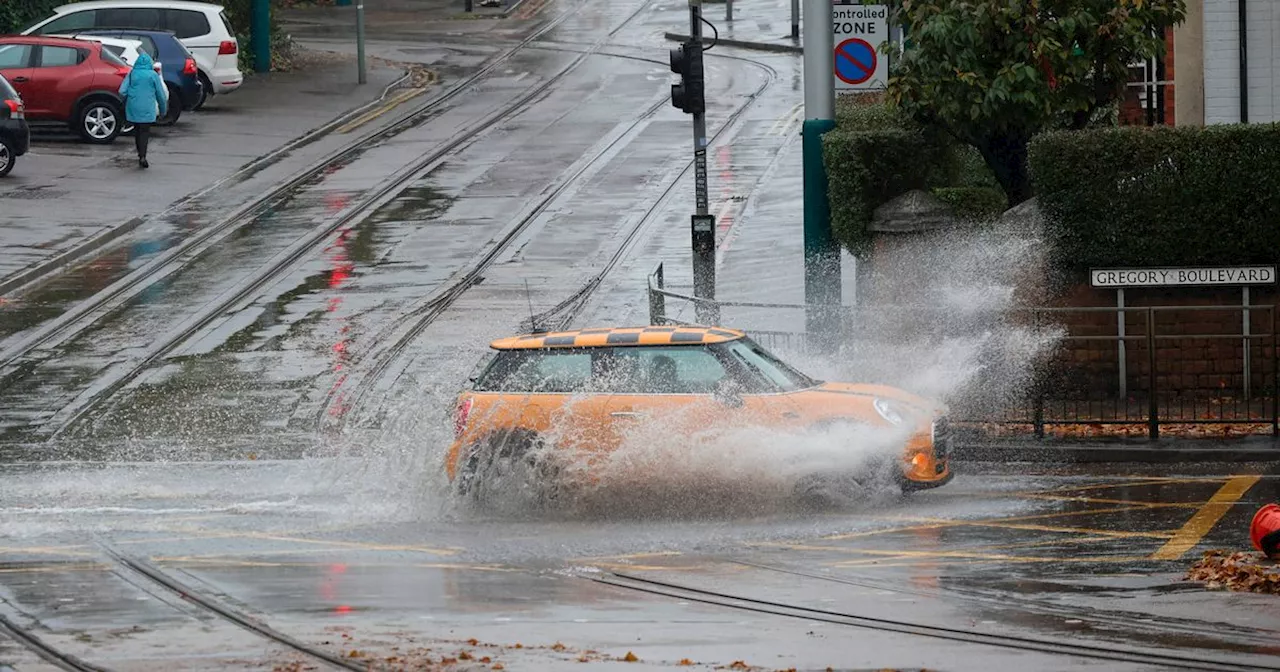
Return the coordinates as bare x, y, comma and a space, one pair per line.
69, 81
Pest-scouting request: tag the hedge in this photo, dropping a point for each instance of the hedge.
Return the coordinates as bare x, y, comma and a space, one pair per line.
1138, 196
16, 15
876, 154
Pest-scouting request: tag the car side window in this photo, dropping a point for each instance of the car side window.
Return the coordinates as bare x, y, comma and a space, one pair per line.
60, 57
149, 46
187, 24
546, 371
15, 56
140, 18
69, 23
670, 370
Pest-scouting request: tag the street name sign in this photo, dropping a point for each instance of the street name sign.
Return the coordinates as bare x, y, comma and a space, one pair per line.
1183, 277
859, 32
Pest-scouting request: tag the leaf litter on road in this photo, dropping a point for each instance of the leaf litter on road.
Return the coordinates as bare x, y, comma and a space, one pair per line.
1243, 572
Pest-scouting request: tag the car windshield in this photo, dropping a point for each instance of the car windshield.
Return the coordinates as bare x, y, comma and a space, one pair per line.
775, 374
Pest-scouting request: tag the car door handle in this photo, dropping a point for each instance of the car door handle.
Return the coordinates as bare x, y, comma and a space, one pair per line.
791, 415
625, 414
19, 80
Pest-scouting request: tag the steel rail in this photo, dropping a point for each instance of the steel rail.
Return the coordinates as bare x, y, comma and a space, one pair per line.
159, 577
46, 652
114, 296
1034, 644
416, 319
1148, 621
88, 400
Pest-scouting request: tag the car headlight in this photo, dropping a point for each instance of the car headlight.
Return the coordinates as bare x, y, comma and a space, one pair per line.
890, 411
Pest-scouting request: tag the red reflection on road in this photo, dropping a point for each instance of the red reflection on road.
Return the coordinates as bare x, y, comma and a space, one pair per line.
340, 270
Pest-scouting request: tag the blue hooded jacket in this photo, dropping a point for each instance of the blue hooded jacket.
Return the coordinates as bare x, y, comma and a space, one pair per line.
144, 93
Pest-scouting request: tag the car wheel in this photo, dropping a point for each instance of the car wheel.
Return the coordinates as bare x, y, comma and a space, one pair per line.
174, 111
8, 156
507, 463
206, 92
100, 122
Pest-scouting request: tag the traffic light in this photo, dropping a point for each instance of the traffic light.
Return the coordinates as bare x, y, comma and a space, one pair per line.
686, 61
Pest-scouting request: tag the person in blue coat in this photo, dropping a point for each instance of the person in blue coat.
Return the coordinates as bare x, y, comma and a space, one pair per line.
145, 99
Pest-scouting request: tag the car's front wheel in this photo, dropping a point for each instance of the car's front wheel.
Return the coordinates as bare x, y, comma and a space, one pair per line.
100, 122
8, 156
505, 468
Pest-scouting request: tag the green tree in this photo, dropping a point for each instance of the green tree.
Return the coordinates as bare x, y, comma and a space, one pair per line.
993, 73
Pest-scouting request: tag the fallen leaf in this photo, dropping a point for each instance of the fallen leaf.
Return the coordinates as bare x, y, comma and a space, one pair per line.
686, 662
473, 641
630, 657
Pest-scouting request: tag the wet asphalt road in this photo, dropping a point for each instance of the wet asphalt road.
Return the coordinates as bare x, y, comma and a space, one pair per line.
349, 556
155, 429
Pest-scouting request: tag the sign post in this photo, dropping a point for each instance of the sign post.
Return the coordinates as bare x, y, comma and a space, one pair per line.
821, 253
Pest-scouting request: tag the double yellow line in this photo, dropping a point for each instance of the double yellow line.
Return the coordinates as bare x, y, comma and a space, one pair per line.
389, 104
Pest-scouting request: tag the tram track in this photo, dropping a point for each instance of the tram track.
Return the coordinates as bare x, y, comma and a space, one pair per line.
1005, 600
402, 331
115, 296
47, 652
1015, 642
89, 400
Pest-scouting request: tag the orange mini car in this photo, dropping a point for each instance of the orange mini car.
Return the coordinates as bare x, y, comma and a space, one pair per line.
587, 387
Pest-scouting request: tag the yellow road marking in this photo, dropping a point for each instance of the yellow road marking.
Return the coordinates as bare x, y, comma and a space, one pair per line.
351, 544
391, 103
69, 567
970, 555
1186, 538
876, 563
934, 526
1153, 480
1102, 500
1054, 528
782, 123
232, 562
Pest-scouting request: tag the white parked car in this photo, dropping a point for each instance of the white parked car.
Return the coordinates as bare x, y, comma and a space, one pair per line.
127, 50
202, 28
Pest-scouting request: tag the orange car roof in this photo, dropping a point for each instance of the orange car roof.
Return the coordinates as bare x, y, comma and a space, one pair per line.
595, 338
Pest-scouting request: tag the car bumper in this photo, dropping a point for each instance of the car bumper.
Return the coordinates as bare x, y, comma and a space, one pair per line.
191, 94
226, 82
18, 134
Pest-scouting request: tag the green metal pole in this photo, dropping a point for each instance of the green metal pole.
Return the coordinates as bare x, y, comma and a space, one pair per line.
260, 35
821, 253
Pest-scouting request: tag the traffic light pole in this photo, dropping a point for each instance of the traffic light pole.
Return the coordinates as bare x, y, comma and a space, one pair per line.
689, 96
821, 253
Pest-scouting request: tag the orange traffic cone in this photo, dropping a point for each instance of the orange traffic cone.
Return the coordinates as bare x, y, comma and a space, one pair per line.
1265, 531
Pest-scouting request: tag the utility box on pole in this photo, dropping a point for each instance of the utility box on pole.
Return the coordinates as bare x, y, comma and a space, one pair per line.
689, 96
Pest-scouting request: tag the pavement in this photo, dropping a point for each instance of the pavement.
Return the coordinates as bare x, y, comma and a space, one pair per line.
101, 194
758, 26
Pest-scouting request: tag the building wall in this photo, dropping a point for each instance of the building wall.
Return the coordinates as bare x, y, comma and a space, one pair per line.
1222, 61
1188, 70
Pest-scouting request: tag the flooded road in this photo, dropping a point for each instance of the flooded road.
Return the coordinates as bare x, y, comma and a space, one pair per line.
347, 557
223, 439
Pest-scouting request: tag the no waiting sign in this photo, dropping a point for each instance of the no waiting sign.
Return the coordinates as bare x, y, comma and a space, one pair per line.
859, 32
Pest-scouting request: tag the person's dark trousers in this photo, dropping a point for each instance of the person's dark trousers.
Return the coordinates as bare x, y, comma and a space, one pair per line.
141, 136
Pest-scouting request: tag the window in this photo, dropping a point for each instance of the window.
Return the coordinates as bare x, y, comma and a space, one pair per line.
15, 56
60, 57
118, 51
148, 45
69, 23
767, 372
227, 23
684, 369
186, 23
112, 59
549, 371
139, 18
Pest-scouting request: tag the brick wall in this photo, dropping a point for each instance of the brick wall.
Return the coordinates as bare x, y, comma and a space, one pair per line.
1200, 349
